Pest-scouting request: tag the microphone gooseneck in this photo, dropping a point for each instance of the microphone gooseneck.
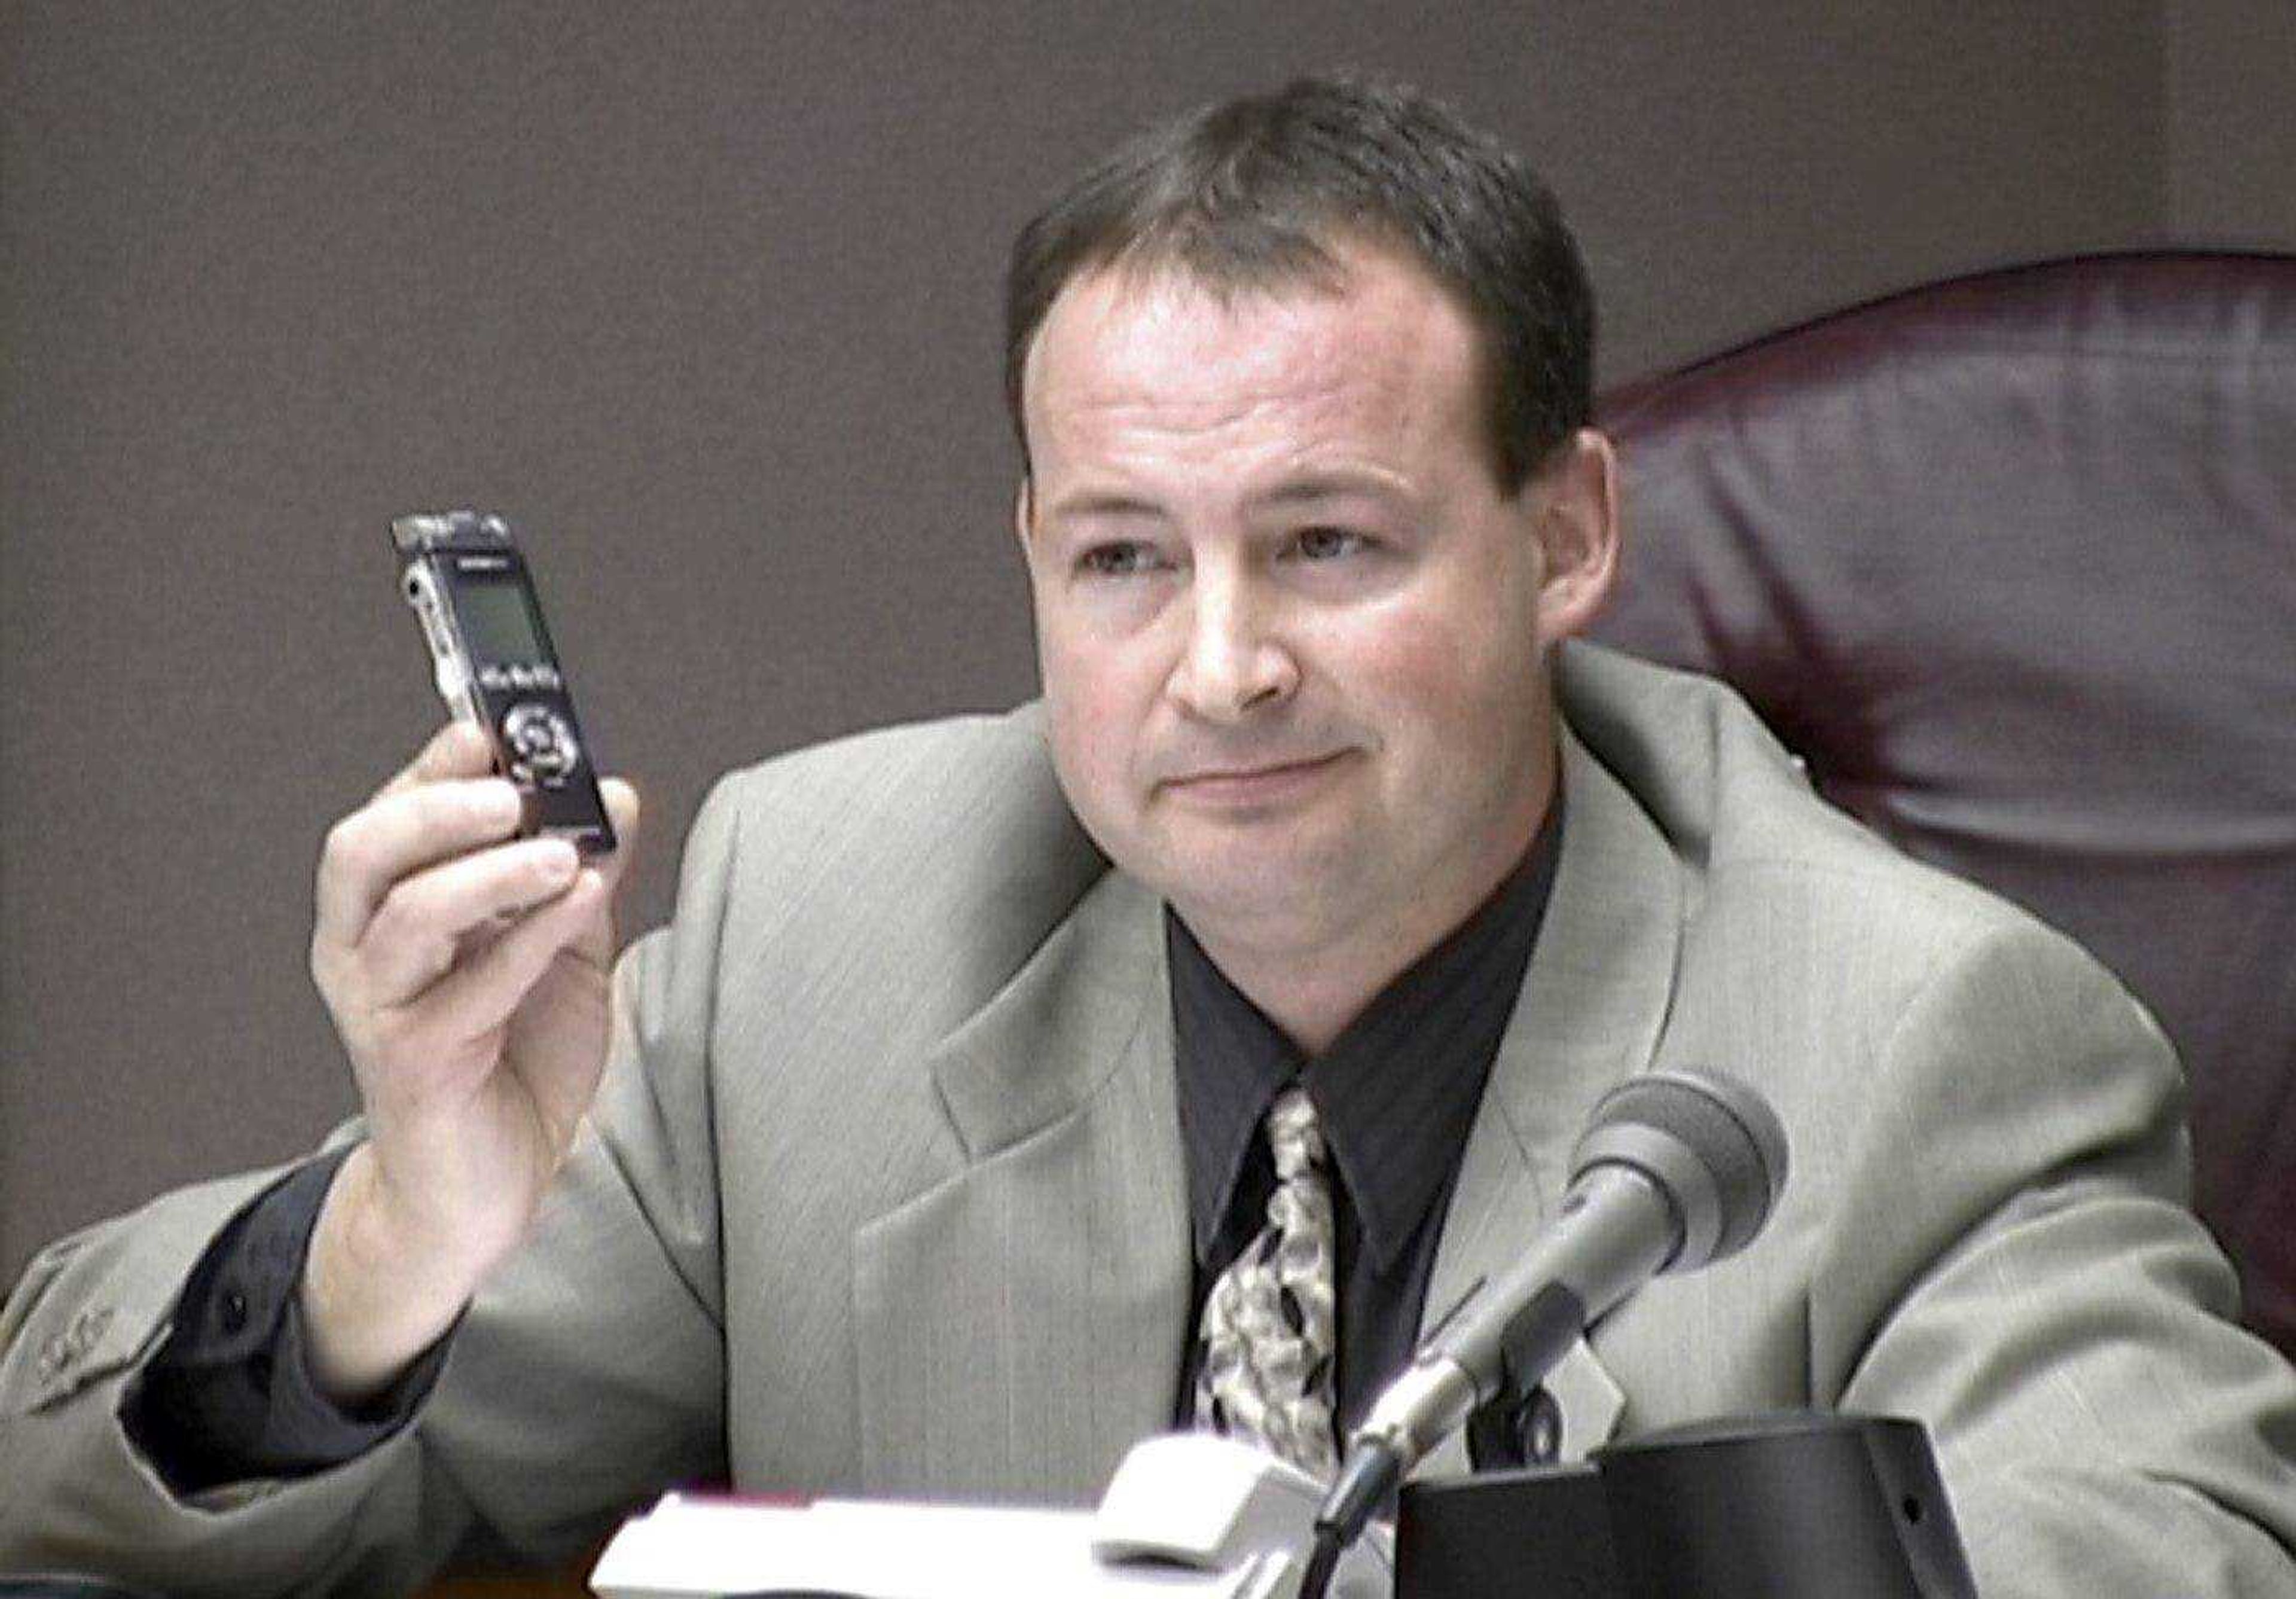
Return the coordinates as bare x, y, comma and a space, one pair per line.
1675, 1169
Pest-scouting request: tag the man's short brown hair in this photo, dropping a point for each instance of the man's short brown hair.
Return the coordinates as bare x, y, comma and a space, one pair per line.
1255, 193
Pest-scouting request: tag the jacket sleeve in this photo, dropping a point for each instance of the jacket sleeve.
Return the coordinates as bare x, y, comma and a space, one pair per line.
2012, 1260
616, 1296
230, 1396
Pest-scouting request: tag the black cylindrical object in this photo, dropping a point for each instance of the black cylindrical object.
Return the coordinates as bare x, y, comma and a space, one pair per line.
1790, 1506
1796, 1505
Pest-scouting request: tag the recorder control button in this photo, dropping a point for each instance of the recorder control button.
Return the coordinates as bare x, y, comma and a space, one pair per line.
540, 743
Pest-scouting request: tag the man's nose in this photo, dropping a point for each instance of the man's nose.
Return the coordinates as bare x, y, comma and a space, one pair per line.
1237, 660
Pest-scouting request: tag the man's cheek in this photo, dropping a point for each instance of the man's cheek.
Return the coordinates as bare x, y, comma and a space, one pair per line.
1417, 673
1092, 756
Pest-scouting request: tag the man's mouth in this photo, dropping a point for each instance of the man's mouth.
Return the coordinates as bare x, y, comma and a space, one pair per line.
1254, 783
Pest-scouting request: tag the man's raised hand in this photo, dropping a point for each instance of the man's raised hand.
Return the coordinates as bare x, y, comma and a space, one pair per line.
468, 974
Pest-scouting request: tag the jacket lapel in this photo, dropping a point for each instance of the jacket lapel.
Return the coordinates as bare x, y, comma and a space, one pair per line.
1019, 1323
1593, 1001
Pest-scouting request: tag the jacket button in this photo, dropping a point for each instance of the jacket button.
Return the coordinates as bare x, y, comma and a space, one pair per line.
234, 1312
88, 1328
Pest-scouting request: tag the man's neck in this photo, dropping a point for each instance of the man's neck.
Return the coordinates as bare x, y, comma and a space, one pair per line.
1311, 998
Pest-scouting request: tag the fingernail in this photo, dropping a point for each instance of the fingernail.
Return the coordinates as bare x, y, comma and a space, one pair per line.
562, 862
498, 804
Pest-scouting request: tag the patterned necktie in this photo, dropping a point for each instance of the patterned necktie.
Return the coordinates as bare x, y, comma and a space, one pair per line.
1264, 1364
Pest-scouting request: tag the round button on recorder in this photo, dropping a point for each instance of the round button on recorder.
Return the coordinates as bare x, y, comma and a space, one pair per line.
541, 743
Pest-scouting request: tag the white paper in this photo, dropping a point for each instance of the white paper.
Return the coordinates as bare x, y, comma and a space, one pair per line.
689, 1548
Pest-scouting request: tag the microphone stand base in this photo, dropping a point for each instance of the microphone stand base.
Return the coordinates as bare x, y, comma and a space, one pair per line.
1795, 1504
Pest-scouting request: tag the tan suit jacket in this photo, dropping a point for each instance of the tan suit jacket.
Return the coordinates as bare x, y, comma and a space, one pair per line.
885, 1192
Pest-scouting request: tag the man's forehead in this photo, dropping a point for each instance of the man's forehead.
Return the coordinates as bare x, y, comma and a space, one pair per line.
1157, 332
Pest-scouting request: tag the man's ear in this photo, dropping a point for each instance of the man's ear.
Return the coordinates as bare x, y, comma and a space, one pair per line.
1576, 503
1024, 510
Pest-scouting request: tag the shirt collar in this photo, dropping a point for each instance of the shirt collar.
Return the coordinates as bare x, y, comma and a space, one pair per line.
1396, 1092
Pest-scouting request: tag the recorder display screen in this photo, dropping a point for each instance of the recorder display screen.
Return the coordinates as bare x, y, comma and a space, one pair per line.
498, 624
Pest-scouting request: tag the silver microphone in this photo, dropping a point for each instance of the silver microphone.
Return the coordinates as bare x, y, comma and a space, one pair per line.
1675, 1170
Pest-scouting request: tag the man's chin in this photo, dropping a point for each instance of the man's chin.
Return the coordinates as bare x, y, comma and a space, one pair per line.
1245, 886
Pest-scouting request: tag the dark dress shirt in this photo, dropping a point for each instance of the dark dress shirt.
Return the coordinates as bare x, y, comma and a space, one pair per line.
229, 1397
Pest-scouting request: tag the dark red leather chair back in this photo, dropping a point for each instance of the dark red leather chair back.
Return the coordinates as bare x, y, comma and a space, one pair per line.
2011, 561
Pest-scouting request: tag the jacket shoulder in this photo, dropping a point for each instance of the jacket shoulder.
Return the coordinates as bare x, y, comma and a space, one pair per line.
947, 842
1731, 799
1768, 862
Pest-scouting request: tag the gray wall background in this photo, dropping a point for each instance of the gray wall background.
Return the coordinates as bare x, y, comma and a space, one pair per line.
707, 297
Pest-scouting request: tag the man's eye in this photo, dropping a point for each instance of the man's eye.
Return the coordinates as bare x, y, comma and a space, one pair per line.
1328, 544
1123, 559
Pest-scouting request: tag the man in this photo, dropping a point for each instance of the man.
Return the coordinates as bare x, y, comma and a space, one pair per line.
994, 1076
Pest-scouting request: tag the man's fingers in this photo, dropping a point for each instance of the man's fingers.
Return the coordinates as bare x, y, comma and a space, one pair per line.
594, 943
481, 994
457, 749
370, 850
622, 808
418, 930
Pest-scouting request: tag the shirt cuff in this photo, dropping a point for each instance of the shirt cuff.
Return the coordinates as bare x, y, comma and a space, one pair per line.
230, 1398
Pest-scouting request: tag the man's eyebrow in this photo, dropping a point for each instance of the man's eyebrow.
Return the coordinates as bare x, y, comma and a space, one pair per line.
1102, 503
1338, 483
1307, 489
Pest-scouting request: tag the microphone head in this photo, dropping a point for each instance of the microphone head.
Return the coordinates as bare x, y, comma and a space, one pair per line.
1708, 1143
